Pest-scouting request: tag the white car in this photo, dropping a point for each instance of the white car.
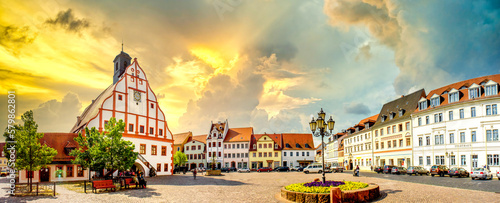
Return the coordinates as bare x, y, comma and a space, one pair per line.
498, 175
241, 170
481, 173
315, 168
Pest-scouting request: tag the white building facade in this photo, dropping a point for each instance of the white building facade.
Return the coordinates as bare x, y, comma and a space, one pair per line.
131, 99
195, 152
358, 145
215, 139
236, 147
457, 125
298, 149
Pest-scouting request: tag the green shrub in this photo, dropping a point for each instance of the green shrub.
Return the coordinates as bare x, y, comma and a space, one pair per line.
299, 187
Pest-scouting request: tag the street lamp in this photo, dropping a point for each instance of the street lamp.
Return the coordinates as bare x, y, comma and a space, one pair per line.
318, 128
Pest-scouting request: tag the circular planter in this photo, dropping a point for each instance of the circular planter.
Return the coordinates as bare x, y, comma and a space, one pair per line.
369, 193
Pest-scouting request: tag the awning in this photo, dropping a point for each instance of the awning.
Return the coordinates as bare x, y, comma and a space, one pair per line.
305, 161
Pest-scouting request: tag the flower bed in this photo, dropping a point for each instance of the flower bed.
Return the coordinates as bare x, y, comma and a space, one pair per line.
319, 187
332, 190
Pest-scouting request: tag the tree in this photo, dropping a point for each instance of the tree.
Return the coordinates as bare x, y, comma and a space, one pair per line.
180, 158
31, 155
105, 150
82, 155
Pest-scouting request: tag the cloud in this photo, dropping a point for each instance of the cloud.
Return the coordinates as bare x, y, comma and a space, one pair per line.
431, 48
364, 53
13, 38
53, 115
356, 108
68, 21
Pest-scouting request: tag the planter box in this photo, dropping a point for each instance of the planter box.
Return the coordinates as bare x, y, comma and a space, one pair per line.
213, 173
369, 193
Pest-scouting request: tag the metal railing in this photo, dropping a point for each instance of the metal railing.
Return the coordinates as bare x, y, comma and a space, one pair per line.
36, 188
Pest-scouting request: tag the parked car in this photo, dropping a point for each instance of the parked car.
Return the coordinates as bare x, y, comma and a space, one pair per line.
233, 169
337, 169
481, 173
417, 170
378, 169
315, 168
459, 172
439, 170
224, 170
301, 168
388, 168
498, 175
241, 170
4, 173
294, 168
264, 169
282, 168
398, 170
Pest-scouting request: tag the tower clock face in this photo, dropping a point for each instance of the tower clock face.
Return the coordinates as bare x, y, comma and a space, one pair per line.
137, 96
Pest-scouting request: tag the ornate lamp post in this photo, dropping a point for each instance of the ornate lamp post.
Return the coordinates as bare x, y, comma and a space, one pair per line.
318, 128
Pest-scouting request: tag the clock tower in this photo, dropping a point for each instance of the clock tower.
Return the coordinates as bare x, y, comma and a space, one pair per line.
121, 62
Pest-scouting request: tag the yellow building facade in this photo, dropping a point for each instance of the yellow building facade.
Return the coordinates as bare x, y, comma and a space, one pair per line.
265, 151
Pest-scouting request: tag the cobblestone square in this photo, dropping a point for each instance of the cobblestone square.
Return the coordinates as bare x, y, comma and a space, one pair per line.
254, 187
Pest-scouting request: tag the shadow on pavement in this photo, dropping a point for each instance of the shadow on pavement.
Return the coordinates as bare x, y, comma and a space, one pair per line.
27, 198
140, 193
384, 193
189, 180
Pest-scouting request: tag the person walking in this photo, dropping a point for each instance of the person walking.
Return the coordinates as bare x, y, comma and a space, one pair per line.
194, 173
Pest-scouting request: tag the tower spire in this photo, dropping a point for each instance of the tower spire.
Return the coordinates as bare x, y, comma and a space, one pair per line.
122, 44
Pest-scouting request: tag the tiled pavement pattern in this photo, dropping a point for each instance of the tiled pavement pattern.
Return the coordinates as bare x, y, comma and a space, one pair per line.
253, 187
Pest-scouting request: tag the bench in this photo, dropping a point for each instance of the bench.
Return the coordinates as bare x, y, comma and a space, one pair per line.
103, 184
128, 182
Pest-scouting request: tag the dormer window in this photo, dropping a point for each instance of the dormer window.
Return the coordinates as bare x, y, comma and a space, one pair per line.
367, 125
383, 117
391, 115
474, 91
254, 146
401, 112
275, 146
288, 145
435, 100
453, 96
422, 104
307, 146
491, 88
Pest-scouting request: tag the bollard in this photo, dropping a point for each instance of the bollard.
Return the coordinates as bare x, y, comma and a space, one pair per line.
335, 195
85, 186
54, 189
37, 189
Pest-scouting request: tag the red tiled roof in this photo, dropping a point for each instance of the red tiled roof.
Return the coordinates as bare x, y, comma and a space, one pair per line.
181, 138
372, 119
464, 93
200, 138
59, 141
239, 134
292, 139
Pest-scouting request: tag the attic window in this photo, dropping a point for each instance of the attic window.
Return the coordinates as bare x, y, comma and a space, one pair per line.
401, 112
288, 145
491, 88
474, 93
255, 146
275, 146
307, 146
422, 105
391, 115
453, 96
435, 101
383, 117
297, 145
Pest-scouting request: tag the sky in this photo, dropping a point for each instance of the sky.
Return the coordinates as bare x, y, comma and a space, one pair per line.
267, 64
